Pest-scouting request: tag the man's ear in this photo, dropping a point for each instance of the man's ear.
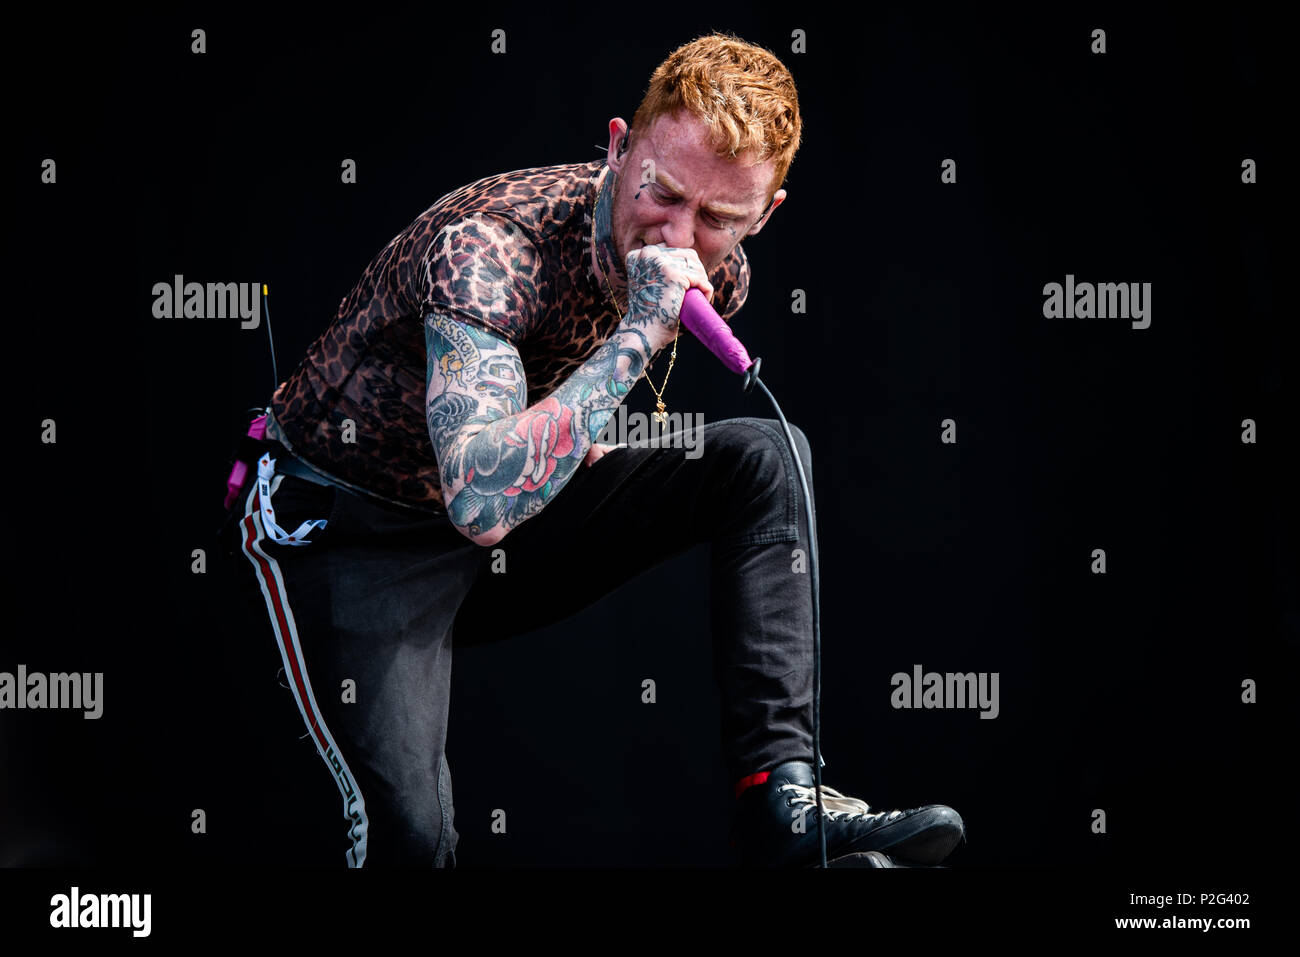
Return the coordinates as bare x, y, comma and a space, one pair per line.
777, 199
619, 140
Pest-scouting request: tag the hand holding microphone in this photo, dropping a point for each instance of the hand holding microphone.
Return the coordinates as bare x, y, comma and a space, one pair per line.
658, 277
667, 285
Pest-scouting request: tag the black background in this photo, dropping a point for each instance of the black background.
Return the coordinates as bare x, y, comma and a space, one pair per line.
1119, 691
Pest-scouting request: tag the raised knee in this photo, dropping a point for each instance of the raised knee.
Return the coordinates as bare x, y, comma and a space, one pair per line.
765, 439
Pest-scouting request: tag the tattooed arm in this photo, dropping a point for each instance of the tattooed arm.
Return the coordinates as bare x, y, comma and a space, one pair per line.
499, 461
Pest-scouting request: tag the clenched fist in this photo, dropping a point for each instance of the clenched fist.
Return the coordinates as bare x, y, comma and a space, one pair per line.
657, 280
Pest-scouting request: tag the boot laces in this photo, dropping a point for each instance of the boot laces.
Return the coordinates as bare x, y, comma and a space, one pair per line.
837, 805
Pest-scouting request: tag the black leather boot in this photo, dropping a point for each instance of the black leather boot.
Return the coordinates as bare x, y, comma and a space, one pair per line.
776, 825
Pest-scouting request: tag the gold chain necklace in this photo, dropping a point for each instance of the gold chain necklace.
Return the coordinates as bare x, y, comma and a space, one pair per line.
661, 415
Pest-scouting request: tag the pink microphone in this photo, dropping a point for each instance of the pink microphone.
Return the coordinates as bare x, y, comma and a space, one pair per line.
702, 319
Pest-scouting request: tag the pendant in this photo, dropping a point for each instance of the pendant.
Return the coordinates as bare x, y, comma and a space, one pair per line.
659, 416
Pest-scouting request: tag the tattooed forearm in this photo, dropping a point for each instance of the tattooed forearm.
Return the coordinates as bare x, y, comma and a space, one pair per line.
500, 463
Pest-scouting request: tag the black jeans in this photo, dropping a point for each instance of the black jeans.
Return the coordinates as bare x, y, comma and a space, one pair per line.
380, 594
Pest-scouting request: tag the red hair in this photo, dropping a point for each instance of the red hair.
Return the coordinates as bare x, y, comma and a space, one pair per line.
742, 92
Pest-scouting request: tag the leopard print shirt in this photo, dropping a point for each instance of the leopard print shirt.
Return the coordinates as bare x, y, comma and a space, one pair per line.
510, 253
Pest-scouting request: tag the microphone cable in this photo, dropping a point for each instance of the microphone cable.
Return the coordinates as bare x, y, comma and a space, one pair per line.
752, 379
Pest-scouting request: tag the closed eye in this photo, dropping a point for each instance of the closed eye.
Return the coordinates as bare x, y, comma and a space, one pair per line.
663, 198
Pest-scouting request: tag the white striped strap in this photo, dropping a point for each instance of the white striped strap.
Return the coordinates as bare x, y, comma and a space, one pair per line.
266, 472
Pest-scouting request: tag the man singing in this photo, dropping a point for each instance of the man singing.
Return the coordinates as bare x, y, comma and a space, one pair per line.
450, 413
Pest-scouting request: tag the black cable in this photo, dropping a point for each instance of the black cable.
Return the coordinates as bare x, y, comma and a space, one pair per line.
751, 378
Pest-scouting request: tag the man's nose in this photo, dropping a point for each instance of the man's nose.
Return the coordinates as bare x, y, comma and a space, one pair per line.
679, 228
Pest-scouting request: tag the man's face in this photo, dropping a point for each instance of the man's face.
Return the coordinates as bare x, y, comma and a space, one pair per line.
694, 198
